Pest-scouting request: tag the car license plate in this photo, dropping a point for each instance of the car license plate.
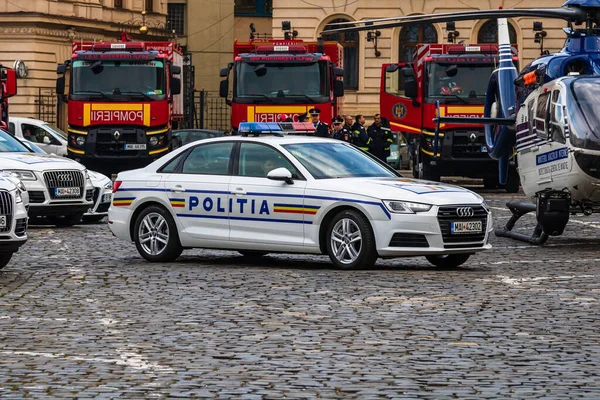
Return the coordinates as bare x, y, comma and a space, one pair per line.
484, 149
71, 191
466, 227
135, 146
106, 198
2, 221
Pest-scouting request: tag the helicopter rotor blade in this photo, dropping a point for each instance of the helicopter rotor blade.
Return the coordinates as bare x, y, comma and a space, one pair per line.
575, 15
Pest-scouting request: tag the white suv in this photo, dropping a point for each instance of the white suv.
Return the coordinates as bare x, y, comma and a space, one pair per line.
48, 137
13, 217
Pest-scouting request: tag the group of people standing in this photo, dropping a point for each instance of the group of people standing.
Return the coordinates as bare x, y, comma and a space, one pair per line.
376, 139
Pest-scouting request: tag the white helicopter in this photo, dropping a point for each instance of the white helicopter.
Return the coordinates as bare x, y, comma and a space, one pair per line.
549, 115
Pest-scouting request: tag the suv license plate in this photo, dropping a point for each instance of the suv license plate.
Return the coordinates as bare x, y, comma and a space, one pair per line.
72, 191
135, 146
2, 221
466, 227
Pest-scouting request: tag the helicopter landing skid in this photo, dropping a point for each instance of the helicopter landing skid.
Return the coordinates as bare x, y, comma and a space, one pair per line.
518, 209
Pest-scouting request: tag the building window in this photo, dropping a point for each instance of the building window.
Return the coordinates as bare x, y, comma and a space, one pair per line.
488, 33
348, 40
118, 3
255, 8
412, 35
176, 17
148, 5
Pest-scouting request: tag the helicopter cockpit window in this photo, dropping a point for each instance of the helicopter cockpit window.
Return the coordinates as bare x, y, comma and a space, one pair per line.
530, 115
555, 130
584, 113
540, 114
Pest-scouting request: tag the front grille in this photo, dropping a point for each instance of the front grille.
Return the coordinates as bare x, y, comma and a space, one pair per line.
464, 147
6, 208
408, 240
108, 145
36, 196
64, 179
21, 227
447, 214
89, 194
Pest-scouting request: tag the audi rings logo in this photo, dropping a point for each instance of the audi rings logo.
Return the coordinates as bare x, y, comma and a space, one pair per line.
64, 177
465, 212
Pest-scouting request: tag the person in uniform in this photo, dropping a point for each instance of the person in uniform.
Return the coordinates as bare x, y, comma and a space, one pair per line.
339, 131
381, 139
360, 138
321, 127
303, 117
348, 122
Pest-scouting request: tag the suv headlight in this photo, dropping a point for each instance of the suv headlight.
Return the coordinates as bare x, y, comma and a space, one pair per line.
18, 197
406, 207
22, 174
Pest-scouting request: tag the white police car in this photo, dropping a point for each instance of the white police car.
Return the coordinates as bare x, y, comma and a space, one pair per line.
293, 194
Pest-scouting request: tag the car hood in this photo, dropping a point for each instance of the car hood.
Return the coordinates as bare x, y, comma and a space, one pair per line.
37, 162
414, 190
7, 181
98, 179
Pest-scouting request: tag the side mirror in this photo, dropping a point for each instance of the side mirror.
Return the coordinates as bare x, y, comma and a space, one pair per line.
392, 68
338, 88
337, 71
61, 69
60, 85
281, 174
10, 88
452, 70
175, 69
175, 86
260, 70
224, 72
224, 88
97, 67
46, 140
410, 83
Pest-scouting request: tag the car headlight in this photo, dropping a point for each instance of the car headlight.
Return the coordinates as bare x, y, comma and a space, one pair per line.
406, 207
22, 174
18, 198
21, 187
80, 140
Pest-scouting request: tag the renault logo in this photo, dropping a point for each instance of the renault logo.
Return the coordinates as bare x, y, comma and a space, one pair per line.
117, 135
64, 177
473, 137
465, 212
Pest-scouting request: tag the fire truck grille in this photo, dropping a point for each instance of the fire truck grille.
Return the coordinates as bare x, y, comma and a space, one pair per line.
6, 209
64, 179
468, 145
109, 143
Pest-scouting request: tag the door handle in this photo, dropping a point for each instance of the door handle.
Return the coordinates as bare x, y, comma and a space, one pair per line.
178, 189
238, 192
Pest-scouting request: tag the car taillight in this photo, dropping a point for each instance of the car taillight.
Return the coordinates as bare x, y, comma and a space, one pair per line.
116, 185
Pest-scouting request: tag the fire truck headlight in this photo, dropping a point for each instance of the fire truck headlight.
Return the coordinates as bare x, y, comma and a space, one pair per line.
153, 141
80, 140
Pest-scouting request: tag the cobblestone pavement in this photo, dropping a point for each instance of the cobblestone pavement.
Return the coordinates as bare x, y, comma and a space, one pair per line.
82, 315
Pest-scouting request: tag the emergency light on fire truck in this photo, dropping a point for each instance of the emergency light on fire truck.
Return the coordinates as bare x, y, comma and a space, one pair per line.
275, 128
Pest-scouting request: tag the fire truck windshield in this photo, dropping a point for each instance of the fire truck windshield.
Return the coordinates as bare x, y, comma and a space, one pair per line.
457, 82
281, 82
125, 78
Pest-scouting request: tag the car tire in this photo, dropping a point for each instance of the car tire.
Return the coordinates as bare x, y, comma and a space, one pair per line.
5, 259
66, 220
93, 218
350, 241
155, 235
252, 253
448, 260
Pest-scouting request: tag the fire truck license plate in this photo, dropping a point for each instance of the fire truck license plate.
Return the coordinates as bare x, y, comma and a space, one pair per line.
2, 221
484, 149
466, 227
135, 146
72, 191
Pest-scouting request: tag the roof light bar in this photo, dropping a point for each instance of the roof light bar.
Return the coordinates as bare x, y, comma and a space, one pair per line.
275, 128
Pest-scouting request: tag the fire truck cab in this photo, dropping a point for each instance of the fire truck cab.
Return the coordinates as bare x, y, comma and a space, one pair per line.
271, 77
456, 76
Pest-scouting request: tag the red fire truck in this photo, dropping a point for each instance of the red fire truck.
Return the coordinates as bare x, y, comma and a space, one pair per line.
8, 88
456, 76
123, 98
272, 77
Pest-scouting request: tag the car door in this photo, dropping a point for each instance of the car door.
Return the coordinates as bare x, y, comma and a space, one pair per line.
198, 191
265, 210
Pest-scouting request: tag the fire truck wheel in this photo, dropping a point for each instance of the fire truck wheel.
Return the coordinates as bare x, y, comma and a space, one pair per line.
490, 182
4, 259
155, 235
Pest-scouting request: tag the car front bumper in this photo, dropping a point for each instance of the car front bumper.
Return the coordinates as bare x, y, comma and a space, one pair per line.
42, 204
101, 202
16, 236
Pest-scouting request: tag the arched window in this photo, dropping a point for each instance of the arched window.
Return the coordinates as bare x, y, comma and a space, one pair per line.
410, 36
349, 40
488, 33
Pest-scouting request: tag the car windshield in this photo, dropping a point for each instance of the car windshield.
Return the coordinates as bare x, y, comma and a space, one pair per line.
108, 78
585, 117
338, 160
284, 80
56, 131
447, 81
9, 144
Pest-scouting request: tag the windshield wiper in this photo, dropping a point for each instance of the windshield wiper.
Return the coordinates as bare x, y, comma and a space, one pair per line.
259, 95
102, 94
460, 98
303, 95
139, 93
